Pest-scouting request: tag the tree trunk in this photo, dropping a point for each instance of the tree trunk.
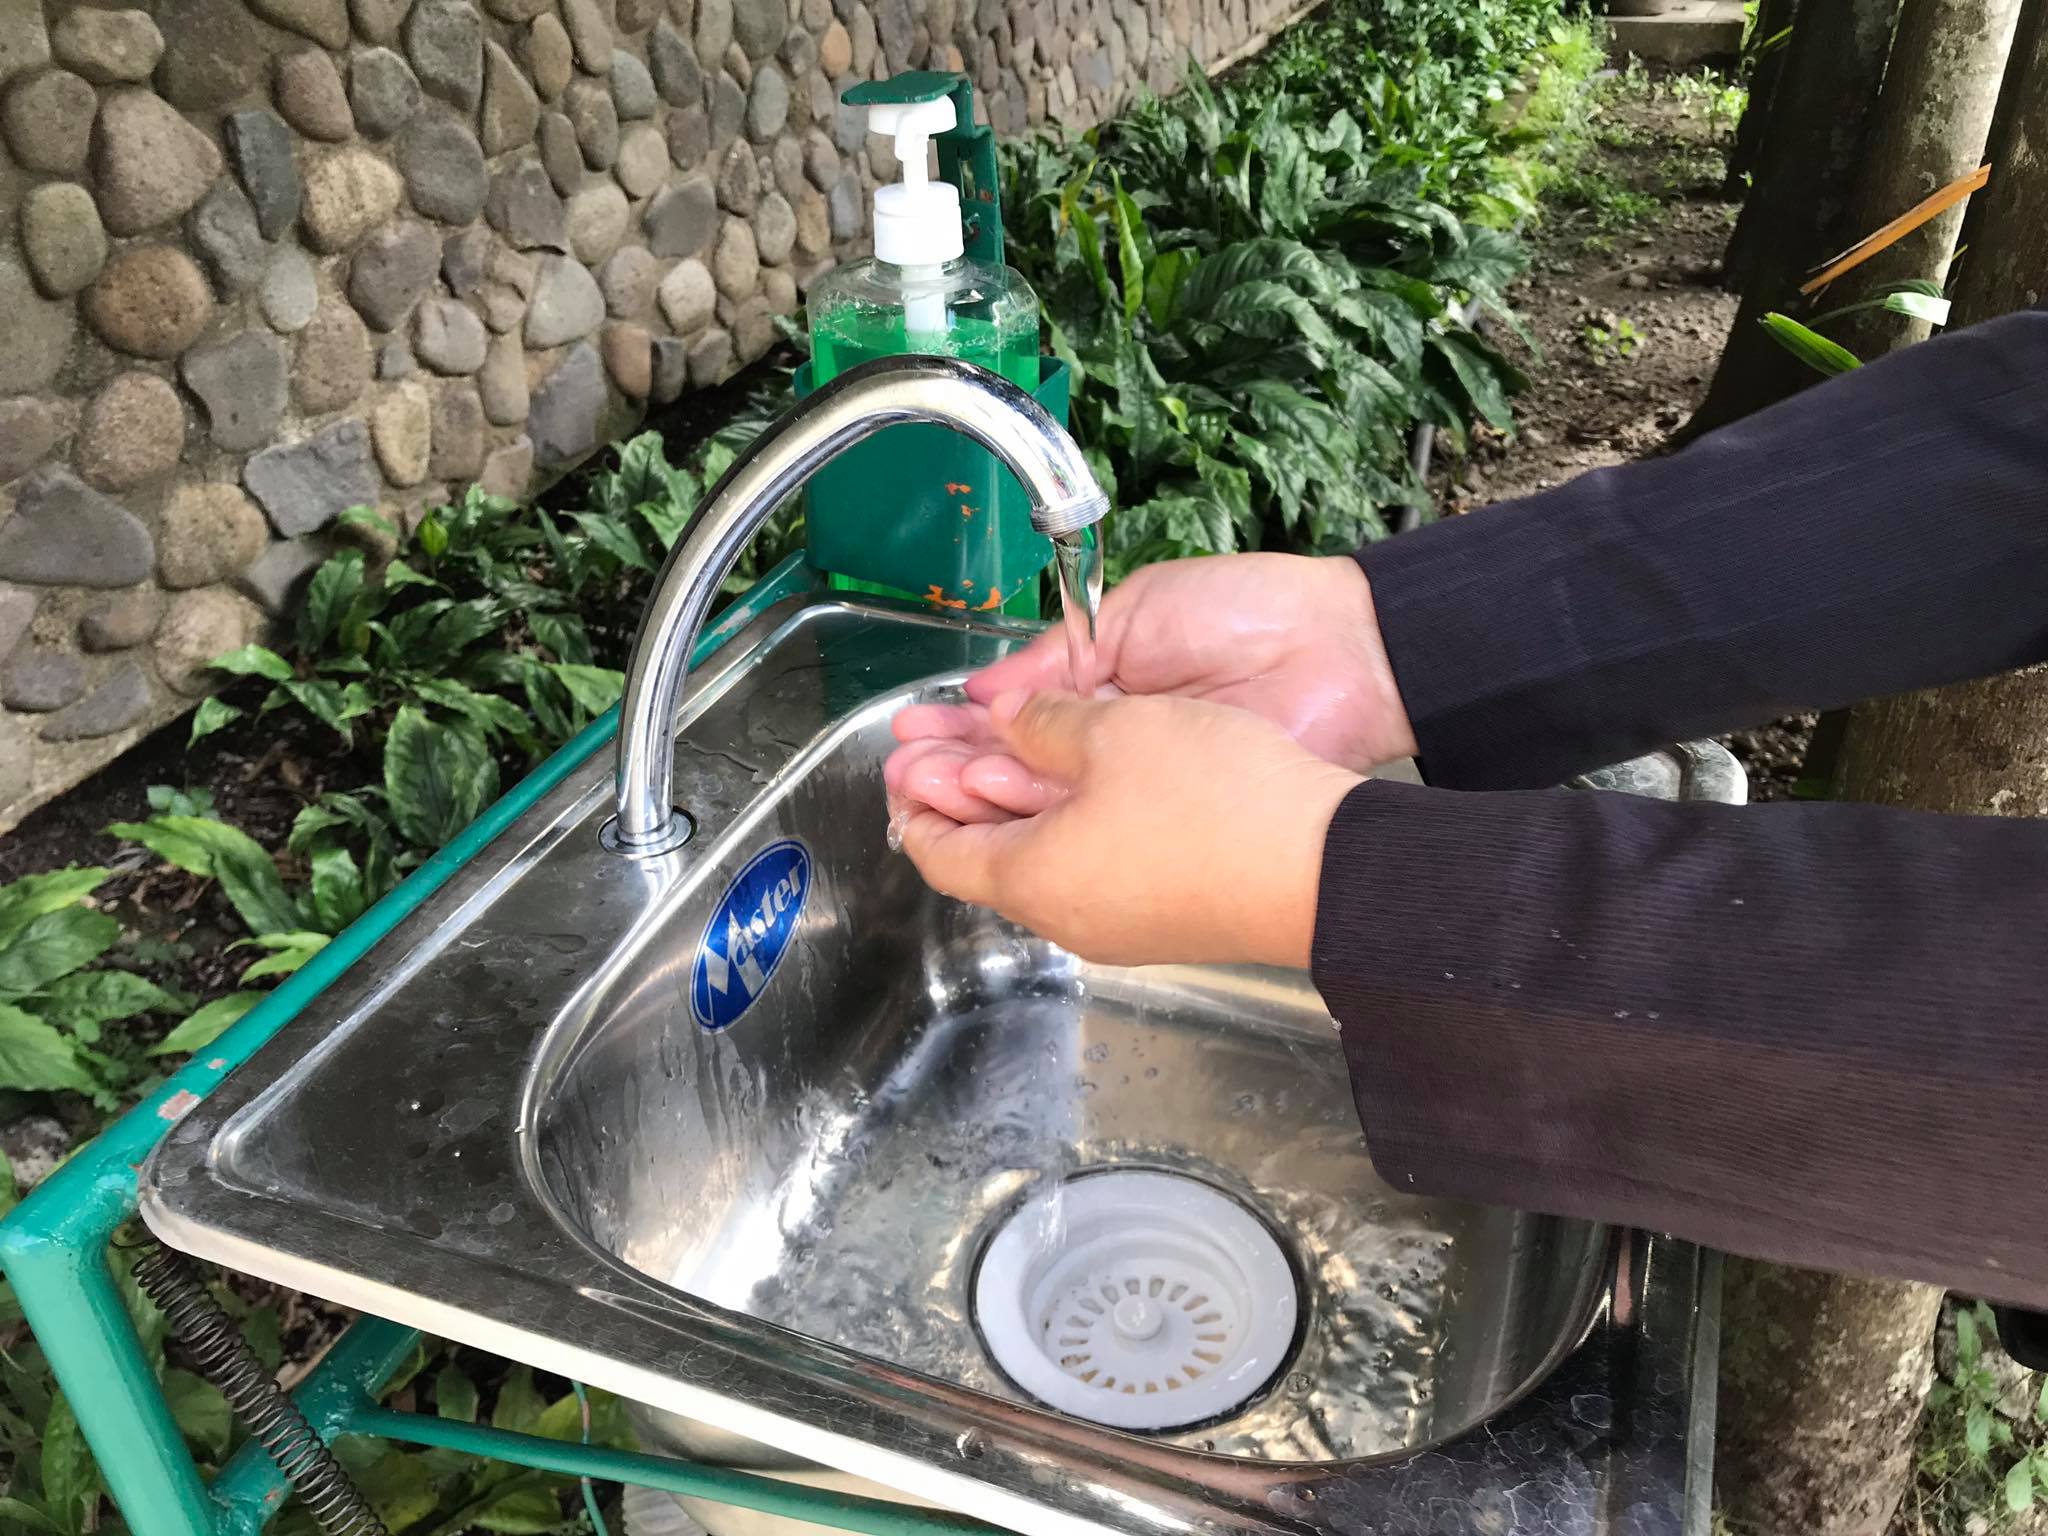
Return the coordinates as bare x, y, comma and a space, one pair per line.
1930, 128
1822, 1379
1822, 1375
1772, 17
1797, 216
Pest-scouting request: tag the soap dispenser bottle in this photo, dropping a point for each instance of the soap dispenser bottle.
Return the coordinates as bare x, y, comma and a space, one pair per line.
921, 292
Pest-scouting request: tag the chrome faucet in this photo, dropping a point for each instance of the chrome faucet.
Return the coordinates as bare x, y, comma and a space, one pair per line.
887, 392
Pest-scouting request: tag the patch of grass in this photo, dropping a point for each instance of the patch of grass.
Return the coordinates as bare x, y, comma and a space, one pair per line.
1981, 1462
1615, 343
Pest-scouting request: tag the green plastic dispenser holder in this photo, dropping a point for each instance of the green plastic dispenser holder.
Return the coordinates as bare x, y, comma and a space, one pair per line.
920, 511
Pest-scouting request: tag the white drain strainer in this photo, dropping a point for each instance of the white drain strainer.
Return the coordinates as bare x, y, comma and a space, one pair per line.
1162, 1303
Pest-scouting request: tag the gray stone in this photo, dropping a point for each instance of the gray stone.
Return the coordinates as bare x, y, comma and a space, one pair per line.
835, 49
260, 146
568, 409
636, 15
767, 104
115, 705
508, 469
149, 300
511, 107
549, 56
524, 207
24, 40
349, 192
816, 13
331, 366
290, 292
200, 626
241, 382
132, 430
682, 218
37, 682
736, 264
273, 578
758, 26
567, 304
596, 121
17, 611
324, 21
846, 208
1092, 70
714, 32
753, 328
66, 534
598, 219
395, 360
673, 63
508, 289
710, 358
632, 88
739, 180
29, 428
849, 124
119, 623
860, 29
443, 168
799, 54
390, 271
671, 370
589, 34
517, 10
689, 136
775, 229
212, 55
629, 358
48, 120
813, 223
108, 47
627, 282
382, 92
643, 160
62, 237
688, 296
728, 110
560, 153
458, 433
401, 427
306, 485
150, 163
448, 337
224, 230
377, 21
38, 331
310, 95
445, 41
779, 289
739, 66
466, 260
502, 382
786, 158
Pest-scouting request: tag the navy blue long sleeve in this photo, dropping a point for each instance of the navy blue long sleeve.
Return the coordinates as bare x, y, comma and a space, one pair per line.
1815, 1033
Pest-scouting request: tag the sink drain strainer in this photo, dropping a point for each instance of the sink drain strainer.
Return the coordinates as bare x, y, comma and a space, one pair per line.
1145, 1301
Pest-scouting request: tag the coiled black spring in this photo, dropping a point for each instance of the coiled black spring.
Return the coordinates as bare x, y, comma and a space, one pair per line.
221, 1355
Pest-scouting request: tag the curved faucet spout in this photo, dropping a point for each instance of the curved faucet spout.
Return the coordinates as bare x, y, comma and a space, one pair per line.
887, 392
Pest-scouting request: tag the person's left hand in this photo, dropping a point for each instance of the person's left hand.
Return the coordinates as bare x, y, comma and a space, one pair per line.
1133, 830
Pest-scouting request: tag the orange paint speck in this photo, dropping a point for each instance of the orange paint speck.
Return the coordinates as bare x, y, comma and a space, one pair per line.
993, 601
953, 489
936, 596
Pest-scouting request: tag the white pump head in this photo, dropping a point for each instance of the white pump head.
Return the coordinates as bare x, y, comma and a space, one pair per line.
917, 220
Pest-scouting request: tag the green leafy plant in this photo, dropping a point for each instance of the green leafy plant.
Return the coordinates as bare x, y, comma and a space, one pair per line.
1916, 297
1607, 344
1982, 1458
57, 1007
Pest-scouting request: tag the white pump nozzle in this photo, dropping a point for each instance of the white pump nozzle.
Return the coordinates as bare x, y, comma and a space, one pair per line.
917, 220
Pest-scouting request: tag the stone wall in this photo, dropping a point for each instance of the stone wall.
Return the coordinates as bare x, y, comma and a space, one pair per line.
265, 260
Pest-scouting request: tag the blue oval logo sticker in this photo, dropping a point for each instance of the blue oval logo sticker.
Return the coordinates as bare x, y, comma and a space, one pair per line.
749, 933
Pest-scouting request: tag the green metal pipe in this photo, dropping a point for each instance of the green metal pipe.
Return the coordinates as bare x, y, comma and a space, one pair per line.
722, 1485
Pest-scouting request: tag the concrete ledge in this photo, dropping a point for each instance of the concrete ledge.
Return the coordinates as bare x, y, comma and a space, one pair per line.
1690, 34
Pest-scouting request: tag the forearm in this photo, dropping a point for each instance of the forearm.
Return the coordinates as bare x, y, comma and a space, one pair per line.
1884, 531
1812, 1033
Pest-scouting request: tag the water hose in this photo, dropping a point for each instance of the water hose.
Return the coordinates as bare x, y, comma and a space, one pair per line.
221, 1355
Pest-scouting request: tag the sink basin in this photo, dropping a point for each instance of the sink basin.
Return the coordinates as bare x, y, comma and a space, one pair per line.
824, 1168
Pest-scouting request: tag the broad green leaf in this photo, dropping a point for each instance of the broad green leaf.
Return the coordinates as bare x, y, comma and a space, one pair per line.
519, 1405
53, 945
71, 1481
595, 689
1977, 1430
491, 714
524, 1511
36, 1058
2019, 1486
84, 1000
211, 715
1480, 378
615, 539
206, 1024
1969, 1346
563, 634
329, 594
334, 810
286, 958
437, 776
1825, 357
214, 850
2041, 1403
399, 1485
329, 702
432, 535
202, 1413
253, 661
340, 895
398, 574
12, 1508
454, 1394
23, 901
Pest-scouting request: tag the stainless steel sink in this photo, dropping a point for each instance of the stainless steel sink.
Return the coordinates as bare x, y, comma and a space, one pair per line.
729, 1131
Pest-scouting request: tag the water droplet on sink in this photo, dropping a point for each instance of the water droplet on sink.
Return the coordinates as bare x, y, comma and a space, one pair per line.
1097, 1052
973, 1445
427, 1102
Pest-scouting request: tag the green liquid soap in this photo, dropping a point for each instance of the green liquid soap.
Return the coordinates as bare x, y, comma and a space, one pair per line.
854, 333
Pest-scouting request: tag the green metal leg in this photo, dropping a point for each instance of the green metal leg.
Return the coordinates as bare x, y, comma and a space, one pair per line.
53, 1245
